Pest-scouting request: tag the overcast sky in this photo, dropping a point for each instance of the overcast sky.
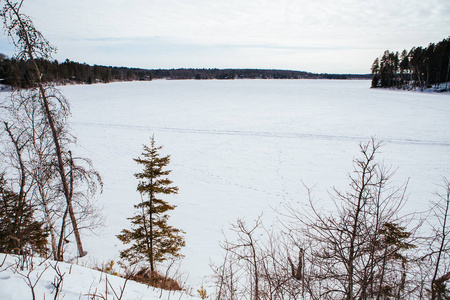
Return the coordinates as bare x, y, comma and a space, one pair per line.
333, 36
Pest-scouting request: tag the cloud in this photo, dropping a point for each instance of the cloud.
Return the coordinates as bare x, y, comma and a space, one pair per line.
266, 27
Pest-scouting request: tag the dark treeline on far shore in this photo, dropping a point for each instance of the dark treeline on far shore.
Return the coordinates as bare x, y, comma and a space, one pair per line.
248, 74
17, 73
419, 68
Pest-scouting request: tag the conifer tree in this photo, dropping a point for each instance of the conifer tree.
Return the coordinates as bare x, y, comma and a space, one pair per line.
20, 233
375, 73
151, 237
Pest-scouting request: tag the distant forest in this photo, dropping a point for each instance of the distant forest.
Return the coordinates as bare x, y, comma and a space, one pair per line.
17, 73
248, 74
418, 68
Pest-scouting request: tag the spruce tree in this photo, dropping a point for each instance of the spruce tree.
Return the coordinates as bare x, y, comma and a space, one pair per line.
152, 239
20, 233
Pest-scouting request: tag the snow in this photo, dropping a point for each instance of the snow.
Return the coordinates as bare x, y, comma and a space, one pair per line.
242, 148
77, 283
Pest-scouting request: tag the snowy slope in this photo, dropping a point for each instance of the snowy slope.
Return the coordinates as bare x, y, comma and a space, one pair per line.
77, 283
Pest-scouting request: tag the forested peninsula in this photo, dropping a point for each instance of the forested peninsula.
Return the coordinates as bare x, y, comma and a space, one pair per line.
417, 69
16, 73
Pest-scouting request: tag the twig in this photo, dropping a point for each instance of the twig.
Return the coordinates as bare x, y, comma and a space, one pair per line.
57, 280
122, 288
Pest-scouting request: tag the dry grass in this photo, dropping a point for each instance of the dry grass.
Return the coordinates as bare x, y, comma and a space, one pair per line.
144, 275
154, 279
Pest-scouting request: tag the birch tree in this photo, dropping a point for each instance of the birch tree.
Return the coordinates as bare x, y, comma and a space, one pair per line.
47, 112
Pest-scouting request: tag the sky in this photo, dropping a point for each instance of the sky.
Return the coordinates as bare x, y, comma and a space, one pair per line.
320, 36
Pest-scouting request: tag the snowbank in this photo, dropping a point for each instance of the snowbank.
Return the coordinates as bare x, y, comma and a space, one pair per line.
74, 282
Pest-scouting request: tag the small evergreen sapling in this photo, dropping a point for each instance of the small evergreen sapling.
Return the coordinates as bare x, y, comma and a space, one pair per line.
152, 239
20, 233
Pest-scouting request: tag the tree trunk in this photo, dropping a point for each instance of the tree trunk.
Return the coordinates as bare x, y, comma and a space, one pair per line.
49, 221
152, 263
29, 47
61, 169
437, 281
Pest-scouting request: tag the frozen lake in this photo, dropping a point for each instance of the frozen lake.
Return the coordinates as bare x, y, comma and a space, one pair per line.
243, 147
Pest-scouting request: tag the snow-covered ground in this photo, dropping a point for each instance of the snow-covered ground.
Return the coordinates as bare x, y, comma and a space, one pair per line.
51, 280
242, 148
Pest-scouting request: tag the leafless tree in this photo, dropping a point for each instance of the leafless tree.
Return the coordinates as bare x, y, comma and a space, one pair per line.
58, 280
31, 44
25, 266
226, 277
360, 249
42, 113
245, 253
438, 253
363, 247
257, 265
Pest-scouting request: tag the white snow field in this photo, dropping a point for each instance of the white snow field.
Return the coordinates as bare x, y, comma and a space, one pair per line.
242, 148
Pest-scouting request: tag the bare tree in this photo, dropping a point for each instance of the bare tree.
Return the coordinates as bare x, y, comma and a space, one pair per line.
361, 248
257, 265
439, 243
31, 44
239, 275
352, 250
226, 278
27, 155
42, 113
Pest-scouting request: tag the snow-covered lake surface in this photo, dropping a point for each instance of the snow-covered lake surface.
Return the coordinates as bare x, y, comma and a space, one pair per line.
242, 148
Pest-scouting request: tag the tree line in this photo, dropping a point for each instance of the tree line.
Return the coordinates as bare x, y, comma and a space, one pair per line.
247, 74
16, 73
418, 68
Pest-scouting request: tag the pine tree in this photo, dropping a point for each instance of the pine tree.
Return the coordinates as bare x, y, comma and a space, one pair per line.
375, 73
20, 233
152, 238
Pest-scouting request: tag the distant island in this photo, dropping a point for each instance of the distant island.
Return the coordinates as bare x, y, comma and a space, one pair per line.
417, 69
16, 73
